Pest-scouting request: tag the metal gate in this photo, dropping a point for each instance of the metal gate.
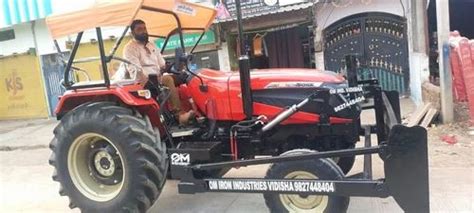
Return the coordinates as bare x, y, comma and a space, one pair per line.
379, 40
53, 71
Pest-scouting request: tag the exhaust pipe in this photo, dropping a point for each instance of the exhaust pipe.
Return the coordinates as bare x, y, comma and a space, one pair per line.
244, 68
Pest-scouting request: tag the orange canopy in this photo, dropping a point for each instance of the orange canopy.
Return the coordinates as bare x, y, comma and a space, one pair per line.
111, 13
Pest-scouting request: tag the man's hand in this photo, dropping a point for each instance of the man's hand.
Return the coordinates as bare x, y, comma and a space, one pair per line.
141, 78
168, 67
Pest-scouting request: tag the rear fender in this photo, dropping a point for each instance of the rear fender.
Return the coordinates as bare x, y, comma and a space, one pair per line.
73, 98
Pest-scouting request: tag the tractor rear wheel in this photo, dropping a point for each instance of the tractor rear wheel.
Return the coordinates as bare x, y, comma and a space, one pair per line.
309, 169
108, 159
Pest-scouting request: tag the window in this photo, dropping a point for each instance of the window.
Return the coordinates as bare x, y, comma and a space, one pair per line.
6, 35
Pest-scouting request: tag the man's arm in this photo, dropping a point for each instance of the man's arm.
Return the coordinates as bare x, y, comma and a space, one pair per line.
133, 55
161, 60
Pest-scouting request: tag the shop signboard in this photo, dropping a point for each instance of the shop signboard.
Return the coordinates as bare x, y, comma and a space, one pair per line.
190, 40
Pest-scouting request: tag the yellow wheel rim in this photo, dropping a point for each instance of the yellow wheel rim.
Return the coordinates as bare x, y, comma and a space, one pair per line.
81, 172
297, 203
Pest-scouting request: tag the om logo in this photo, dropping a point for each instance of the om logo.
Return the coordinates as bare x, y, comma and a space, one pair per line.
13, 83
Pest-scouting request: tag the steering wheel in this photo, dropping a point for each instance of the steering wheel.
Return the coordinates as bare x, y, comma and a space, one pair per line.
169, 68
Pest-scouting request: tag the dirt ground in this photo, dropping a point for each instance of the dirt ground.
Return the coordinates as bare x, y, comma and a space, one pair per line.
457, 149
444, 154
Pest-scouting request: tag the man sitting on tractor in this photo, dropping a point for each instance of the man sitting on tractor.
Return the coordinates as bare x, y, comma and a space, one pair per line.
144, 54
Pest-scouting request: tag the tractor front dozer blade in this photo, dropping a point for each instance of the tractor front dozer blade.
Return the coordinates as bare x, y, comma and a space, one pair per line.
406, 168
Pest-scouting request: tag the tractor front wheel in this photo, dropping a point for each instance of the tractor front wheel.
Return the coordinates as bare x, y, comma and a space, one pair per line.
108, 159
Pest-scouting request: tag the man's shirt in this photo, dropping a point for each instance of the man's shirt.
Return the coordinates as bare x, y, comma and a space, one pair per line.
148, 57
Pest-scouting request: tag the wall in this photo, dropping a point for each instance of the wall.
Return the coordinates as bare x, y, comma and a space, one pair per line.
418, 55
223, 53
22, 42
88, 49
326, 14
21, 88
416, 76
46, 43
24, 38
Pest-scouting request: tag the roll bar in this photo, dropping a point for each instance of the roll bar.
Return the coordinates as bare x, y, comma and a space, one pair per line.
104, 59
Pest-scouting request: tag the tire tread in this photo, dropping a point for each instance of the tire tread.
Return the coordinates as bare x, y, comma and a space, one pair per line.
152, 160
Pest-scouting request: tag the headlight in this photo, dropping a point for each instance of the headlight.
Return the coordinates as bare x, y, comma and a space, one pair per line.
144, 93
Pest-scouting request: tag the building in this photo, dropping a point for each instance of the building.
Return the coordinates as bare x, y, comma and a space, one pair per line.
22, 91
375, 30
319, 33
393, 39
277, 33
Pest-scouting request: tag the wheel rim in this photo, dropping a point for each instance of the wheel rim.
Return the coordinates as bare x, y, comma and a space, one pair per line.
298, 203
95, 167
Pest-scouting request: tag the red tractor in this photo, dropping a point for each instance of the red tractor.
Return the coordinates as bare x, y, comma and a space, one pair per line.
117, 143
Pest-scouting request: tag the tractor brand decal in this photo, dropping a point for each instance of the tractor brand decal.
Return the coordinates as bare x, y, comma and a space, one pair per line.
293, 85
272, 186
180, 159
184, 9
346, 90
349, 103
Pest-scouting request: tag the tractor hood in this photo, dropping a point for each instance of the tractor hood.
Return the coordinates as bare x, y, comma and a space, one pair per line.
288, 78
273, 89
275, 78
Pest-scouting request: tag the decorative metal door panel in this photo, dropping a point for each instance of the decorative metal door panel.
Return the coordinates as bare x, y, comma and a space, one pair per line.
379, 40
53, 71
